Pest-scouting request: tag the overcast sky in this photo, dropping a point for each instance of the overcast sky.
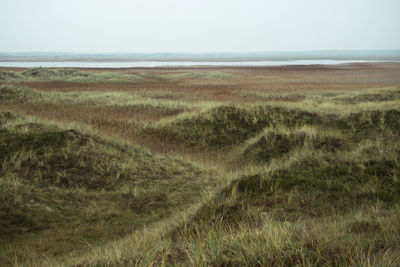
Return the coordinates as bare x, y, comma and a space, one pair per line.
198, 25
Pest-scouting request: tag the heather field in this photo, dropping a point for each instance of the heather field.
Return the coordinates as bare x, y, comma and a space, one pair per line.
200, 166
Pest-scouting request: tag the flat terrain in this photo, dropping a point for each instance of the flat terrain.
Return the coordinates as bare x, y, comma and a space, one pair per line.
262, 80
190, 89
220, 166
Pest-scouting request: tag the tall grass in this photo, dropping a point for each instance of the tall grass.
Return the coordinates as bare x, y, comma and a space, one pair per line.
71, 75
48, 171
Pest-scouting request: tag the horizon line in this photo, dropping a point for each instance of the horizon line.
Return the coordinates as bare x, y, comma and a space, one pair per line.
208, 52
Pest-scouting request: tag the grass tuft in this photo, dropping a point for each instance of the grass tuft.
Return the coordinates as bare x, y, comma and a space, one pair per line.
18, 94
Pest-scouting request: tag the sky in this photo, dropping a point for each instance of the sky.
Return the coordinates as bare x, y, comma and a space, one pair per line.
148, 26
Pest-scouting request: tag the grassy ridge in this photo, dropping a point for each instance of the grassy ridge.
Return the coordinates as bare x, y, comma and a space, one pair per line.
224, 126
279, 142
308, 210
43, 74
229, 125
315, 209
19, 94
71, 75
60, 184
23, 94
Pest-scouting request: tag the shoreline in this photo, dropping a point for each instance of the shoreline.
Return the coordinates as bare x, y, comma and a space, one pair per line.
374, 64
185, 65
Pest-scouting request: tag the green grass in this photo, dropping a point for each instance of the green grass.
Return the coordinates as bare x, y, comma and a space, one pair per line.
311, 183
228, 125
19, 94
71, 75
323, 189
198, 75
60, 184
279, 142
315, 208
22, 94
372, 95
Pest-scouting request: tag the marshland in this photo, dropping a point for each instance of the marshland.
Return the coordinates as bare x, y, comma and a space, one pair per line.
200, 166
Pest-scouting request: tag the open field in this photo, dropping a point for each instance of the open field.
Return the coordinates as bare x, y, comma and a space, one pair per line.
220, 166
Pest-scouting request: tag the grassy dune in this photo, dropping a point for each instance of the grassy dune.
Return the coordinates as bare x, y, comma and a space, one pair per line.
61, 188
43, 74
286, 183
326, 193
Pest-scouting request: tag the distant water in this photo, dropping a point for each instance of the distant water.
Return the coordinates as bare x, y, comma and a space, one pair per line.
148, 64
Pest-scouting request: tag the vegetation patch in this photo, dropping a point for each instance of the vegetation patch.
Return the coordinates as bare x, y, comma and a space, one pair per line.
224, 126
278, 142
47, 172
61, 74
18, 94
311, 184
8, 75
369, 124
372, 95
199, 75
314, 181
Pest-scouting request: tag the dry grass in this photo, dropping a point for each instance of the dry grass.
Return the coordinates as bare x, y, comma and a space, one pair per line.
242, 81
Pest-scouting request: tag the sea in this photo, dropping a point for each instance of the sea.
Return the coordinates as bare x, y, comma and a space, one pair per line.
152, 64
